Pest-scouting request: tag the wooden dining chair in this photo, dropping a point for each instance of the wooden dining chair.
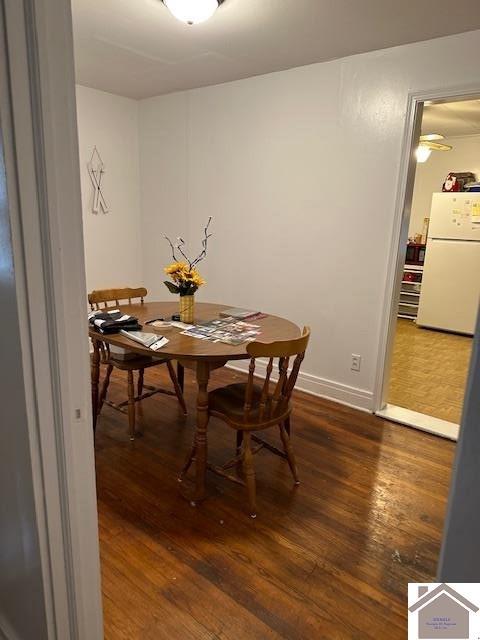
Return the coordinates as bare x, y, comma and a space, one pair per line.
103, 299
249, 407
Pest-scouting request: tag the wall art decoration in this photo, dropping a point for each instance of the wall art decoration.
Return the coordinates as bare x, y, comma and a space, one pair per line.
96, 170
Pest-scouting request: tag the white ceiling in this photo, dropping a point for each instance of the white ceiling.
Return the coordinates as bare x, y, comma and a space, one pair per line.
137, 49
452, 118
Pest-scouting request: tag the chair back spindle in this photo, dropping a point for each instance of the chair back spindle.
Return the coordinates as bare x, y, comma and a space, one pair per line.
265, 397
249, 390
282, 379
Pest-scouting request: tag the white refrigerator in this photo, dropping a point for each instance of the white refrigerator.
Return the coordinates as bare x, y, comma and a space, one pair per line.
450, 290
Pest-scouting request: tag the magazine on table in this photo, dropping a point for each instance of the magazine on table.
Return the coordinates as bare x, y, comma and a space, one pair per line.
227, 330
242, 314
150, 340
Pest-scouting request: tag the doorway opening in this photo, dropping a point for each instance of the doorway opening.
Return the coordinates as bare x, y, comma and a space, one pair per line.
438, 283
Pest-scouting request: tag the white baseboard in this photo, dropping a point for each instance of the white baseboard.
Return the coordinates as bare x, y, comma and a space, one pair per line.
321, 387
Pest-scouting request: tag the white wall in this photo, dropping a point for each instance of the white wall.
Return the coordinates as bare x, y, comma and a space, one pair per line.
163, 185
112, 240
430, 175
300, 170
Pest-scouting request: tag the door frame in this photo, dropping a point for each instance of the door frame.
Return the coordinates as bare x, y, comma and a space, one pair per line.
38, 110
401, 222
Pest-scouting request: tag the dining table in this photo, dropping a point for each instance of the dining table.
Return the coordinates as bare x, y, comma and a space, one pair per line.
202, 356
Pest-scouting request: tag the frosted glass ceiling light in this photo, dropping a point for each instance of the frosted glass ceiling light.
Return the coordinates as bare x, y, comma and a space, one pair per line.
192, 11
423, 153
428, 143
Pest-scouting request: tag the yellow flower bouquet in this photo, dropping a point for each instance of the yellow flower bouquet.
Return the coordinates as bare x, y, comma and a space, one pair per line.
186, 279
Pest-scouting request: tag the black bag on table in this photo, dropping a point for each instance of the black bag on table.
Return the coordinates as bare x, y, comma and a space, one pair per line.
112, 321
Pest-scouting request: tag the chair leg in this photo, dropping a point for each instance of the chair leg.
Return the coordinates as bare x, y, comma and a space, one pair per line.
141, 374
103, 393
181, 375
289, 451
131, 406
176, 386
287, 425
249, 474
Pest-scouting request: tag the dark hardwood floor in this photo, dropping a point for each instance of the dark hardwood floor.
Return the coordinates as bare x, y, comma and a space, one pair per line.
329, 559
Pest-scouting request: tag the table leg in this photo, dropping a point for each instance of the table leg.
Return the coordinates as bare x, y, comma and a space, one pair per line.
203, 375
199, 450
180, 375
95, 377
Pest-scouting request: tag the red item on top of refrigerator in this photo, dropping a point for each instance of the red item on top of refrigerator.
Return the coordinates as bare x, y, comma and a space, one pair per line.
457, 181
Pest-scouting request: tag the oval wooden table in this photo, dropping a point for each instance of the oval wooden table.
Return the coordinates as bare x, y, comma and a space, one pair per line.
202, 356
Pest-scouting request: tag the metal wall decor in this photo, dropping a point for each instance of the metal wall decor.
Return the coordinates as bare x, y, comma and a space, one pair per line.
96, 169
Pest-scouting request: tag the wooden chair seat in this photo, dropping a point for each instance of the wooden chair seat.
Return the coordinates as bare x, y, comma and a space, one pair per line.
228, 403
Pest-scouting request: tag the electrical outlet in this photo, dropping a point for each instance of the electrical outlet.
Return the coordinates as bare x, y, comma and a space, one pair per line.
356, 362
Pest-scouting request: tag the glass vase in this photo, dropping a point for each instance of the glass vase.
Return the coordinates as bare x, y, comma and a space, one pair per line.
187, 306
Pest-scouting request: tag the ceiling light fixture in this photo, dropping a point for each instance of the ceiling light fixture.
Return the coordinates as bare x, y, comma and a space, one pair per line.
428, 143
192, 11
423, 153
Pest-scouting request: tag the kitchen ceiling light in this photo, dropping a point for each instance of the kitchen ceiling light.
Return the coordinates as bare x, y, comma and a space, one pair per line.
423, 153
428, 143
192, 11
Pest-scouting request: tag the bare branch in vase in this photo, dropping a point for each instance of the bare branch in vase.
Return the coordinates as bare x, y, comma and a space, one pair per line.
203, 253
180, 244
172, 248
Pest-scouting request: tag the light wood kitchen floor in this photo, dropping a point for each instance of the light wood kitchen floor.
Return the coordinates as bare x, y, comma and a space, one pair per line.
429, 371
